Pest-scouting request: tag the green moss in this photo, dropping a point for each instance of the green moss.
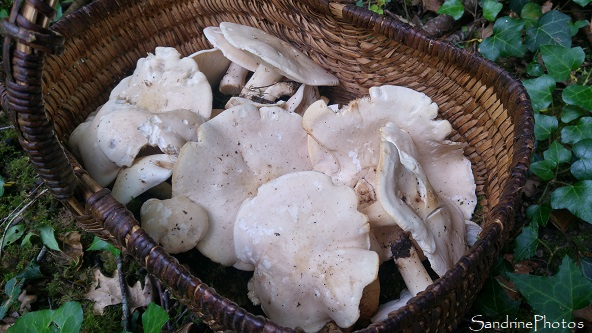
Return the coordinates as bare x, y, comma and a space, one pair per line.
109, 321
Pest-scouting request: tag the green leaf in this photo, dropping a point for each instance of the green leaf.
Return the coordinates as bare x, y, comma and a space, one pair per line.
560, 60
454, 8
544, 126
577, 25
577, 198
517, 5
544, 169
493, 300
12, 235
526, 243
66, 319
534, 69
540, 91
12, 289
100, 245
506, 40
48, 237
154, 318
570, 113
531, 12
490, 9
2, 186
582, 168
582, 3
552, 28
579, 95
556, 296
580, 131
3, 13
557, 153
26, 242
539, 214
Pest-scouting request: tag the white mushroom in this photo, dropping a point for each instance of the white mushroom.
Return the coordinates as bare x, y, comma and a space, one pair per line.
277, 59
240, 64
309, 246
145, 173
212, 63
302, 99
164, 81
406, 195
178, 224
345, 143
236, 152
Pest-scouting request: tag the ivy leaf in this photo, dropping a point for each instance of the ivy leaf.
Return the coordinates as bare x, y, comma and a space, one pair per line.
557, 153
539, 214
493, 299
560, 60
48, 237
577, 198
66, 319
586, 264
544, 169
583, 3
2, 186
579, 95
570, 113
526, 243
577, 25
506, 40
556, 296
534, 69
552, 28
544, 126
517, 5
582, 168
454, 8
490, 9
530, 13
540, 91
580, 131
100, 245
154, 318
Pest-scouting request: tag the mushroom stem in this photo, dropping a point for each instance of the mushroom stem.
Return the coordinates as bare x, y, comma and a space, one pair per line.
409, 264
262, 78
234, 80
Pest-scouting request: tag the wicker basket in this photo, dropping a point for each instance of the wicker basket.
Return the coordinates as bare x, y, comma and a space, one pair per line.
52, 86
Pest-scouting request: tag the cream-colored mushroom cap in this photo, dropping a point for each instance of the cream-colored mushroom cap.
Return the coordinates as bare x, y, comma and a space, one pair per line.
278, 54
405, 193
309, 246
177, 223
164, 81
212, 63
345, 144
123, 132
217, 39
236, 152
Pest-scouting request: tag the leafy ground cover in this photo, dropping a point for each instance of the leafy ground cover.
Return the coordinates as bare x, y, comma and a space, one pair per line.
53, 276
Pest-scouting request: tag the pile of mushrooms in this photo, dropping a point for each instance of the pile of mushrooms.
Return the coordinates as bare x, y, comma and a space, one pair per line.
310, 197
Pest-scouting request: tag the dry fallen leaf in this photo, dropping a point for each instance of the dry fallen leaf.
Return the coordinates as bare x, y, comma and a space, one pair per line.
547, 6
26, 301
72, 247
106, 291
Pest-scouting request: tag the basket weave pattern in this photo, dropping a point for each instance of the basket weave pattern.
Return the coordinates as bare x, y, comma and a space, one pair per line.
49, 95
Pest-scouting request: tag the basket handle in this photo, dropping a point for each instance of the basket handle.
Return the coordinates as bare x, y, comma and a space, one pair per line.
27, 40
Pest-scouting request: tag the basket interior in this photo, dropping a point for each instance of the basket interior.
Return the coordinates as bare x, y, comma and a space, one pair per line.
104, 41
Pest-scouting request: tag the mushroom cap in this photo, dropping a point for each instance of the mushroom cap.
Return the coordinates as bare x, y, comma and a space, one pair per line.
83, 143
164, 81
236, 152
405, 193
276, 53
310, 248
217, 39
123, 130
177, 223
145, 173
212, 63
345, 143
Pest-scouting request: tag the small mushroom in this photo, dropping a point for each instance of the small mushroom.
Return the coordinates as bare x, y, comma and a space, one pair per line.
145, 173
240, 64
178, 224
277, 59
236, 152
212, 63
309, 247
